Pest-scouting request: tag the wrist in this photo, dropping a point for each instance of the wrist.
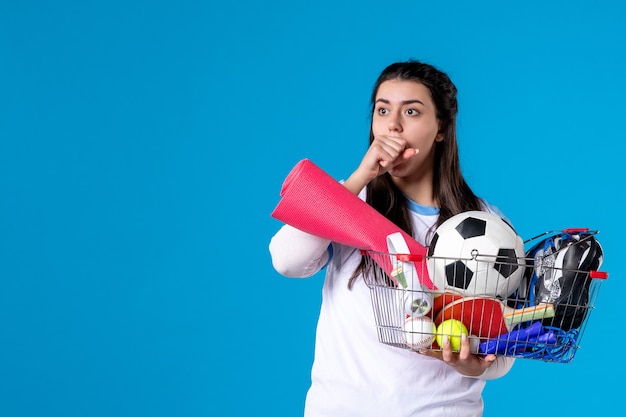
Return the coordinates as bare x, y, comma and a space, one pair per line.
356, 182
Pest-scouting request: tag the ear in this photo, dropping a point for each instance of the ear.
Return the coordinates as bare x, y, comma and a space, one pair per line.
441, 133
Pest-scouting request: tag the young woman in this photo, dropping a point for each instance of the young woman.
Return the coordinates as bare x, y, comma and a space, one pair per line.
411, 174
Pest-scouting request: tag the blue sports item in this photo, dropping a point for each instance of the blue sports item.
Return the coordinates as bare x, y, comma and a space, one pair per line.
517, 340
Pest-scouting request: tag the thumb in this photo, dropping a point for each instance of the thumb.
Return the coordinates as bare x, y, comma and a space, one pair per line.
409, 153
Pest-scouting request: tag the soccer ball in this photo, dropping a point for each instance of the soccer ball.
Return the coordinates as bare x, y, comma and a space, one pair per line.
476, 253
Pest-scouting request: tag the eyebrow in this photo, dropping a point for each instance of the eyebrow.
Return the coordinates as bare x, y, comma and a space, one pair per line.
405, 102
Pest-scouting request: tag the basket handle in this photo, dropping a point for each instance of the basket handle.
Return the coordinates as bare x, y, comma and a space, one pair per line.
575, 230
598, 274
409, 257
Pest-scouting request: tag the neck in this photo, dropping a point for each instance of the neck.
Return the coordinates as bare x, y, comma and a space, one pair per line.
419, 189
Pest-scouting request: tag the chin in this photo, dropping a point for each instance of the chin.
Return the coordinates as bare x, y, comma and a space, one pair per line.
400, 170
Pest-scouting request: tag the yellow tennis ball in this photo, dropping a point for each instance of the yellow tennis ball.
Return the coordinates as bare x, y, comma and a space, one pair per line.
453, 329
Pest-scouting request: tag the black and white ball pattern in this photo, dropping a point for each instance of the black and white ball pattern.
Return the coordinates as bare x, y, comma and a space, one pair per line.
476, 253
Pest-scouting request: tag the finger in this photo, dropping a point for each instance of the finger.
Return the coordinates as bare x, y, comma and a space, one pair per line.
407, 154
489, 358
410, 153
391, 139
398, 158
391, 144
388, 157
464, 353
393, 150
378, 156
446, 350
385, 162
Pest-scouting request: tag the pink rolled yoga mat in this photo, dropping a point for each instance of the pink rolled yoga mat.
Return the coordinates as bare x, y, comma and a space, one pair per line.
316, 203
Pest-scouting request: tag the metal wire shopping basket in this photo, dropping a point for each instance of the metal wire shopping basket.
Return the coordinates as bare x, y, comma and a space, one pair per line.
541, 316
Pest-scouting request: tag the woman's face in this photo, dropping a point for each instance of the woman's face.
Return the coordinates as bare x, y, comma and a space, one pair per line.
405, 109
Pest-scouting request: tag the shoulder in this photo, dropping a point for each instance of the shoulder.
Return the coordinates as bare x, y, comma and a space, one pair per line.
487, 206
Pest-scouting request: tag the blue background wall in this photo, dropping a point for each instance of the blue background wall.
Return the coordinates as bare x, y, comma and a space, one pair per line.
143, 145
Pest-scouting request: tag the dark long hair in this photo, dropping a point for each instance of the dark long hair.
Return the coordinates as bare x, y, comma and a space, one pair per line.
450, 190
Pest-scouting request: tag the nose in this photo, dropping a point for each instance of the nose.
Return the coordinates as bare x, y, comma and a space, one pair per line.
394, 123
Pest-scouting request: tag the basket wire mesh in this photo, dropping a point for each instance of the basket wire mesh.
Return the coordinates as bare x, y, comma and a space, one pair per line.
409, 316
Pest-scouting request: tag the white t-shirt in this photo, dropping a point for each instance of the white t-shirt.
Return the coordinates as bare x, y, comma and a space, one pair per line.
353, 373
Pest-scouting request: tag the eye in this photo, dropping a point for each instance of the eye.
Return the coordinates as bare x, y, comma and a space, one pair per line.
412, 112
382, 111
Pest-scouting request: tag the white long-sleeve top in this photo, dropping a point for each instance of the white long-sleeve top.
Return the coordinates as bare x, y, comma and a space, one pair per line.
354, 374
